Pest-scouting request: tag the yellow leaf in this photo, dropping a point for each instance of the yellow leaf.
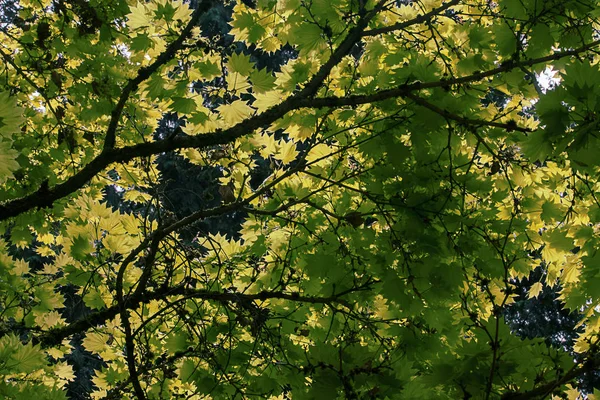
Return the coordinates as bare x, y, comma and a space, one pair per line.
50, 320
318, 152
64, 371
287, 152
118, 243
570, 272
237, 82
235, 112
95, 342
572, 393
21, 267
55, 353
581, 345
264, 101
535, 290
271, 44
300, 133
136, 196
265, 143
183, 12
45, 251
49, 269
139, 17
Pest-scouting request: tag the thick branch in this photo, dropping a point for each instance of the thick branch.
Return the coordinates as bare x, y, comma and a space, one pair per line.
344, 48
403, 90
46, 197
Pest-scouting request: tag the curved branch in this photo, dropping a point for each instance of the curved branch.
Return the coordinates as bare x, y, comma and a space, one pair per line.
56, 336
45, 197
405, 24
548, 388
462, 120
145, 73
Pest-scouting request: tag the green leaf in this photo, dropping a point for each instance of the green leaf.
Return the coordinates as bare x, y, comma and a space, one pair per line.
537, 146
8, 161
177, 342
81, 248
27, 358
183, 105
506, 40
240, 63
262, 80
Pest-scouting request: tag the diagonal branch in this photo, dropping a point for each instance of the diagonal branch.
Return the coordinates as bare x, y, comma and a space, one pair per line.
546, 389
45, 197
56, 336
343, 49
462, 120
418, 20
145, 73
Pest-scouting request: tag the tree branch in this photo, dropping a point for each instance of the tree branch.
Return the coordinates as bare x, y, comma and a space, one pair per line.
462, 120
344, 48
44, 197
546, 389
417, 20
55, 336
145, 73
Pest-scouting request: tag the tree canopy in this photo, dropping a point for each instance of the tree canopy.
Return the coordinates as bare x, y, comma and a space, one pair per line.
407, 165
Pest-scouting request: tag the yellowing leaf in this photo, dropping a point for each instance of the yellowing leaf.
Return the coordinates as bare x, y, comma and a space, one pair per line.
264, 101
50, 320
139, 17
21, 267
119, 243
287, 152
95, 342
535, 290
318, 152
64, 371
570, 272
136, 196
237, 82
271, 44
235, 112
572, 393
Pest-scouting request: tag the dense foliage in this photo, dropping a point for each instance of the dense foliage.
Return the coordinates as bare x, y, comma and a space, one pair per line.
395, 181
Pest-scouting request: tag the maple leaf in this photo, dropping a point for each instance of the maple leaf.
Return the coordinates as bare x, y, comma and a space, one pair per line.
11, 117
235, 112
140, 16
27, 358
240, 63
535, 290
262, 80
8, 162
287, 152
